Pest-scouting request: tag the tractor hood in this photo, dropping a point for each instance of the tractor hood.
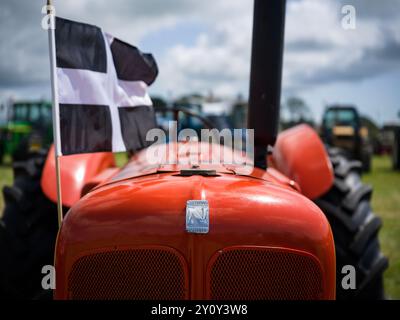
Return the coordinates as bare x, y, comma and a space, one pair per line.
148, 210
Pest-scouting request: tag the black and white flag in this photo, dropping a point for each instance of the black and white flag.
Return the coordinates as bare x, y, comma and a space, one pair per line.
102, 90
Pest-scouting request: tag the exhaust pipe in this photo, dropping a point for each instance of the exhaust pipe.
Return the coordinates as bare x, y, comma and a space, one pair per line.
266, 75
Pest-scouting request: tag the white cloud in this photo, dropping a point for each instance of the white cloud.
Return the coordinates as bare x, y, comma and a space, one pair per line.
318, 50
328, 53
219, 60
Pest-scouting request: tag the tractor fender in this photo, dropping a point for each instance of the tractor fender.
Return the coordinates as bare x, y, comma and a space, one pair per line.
300, 154
76, 172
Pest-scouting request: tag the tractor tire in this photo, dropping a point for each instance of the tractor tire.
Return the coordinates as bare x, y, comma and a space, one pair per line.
355, 230
28, 230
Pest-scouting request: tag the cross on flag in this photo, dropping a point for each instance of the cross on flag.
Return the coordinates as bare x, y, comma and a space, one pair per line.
102, 90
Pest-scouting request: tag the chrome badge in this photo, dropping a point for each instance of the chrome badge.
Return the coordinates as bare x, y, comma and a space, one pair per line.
197, 216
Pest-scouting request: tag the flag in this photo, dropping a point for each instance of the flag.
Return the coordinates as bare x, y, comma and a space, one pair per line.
102, 90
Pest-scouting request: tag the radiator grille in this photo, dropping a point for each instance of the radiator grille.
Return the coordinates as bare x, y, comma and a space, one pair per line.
264, 274
151, 274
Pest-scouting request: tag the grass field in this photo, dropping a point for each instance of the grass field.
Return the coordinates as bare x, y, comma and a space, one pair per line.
385, 202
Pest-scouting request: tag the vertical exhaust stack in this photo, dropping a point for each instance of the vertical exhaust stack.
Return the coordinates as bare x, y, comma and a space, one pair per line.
266, 75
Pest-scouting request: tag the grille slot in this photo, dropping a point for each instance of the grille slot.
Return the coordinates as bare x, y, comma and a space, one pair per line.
153, 274
264, 274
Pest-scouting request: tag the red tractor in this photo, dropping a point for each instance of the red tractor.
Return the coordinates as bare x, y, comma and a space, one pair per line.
282, 231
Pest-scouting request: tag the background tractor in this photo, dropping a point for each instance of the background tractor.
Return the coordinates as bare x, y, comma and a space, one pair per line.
28, 129
283, 230
342, 128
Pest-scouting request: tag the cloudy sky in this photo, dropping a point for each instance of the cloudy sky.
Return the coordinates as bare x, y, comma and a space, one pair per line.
205, 45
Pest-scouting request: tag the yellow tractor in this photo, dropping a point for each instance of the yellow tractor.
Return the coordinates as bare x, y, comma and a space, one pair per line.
342, 129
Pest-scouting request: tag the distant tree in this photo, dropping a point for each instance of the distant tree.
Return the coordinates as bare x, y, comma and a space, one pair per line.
240, 98
298, 109
297, 112
190, 98
158, 102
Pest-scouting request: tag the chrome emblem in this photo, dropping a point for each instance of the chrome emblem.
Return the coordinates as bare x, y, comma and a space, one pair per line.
197, 216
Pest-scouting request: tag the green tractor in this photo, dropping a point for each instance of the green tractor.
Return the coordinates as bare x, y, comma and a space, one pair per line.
342, 128
28, 129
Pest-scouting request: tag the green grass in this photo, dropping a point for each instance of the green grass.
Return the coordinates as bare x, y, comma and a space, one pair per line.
385, 202
121, 158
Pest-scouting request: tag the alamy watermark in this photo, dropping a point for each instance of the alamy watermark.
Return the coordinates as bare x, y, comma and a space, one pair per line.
49, 278
226, 146
349, 19
349, 278
48, 21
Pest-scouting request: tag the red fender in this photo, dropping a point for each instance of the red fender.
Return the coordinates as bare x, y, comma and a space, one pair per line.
300, 154
76, 171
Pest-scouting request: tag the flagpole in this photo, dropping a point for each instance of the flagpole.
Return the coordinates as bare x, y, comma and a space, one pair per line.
55, 110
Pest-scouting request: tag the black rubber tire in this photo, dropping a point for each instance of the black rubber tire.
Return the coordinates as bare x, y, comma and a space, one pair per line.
396, 150
28, 230
355, 229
